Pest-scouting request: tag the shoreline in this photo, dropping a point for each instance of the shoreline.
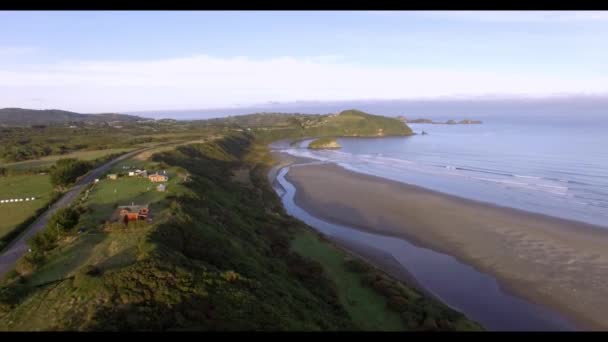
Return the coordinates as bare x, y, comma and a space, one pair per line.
512, 278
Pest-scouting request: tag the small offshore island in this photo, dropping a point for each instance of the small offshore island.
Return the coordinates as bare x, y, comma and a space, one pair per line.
324, 144
448, 122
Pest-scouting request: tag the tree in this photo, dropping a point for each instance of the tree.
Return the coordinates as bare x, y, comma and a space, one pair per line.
66, 171
60, 223
64, 220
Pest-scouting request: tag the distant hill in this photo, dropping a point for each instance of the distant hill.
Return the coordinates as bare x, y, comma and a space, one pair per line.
350, 122
27, 117
354, 122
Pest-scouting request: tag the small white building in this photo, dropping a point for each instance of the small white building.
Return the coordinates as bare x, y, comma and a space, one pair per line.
161, 188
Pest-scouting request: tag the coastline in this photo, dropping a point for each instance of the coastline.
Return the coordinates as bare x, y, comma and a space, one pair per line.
530, 254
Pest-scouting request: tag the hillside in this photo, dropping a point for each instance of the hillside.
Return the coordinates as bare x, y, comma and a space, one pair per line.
27, 117
221, 254
353, 123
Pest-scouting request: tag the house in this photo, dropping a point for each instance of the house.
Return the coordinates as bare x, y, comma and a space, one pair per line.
113, 176
141, 173
161, 187
158, 178
131, 173
133, 212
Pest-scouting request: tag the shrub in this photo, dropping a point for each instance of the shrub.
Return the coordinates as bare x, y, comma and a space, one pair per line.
356, 265
26, 265
397, 303
91, 270
230, 276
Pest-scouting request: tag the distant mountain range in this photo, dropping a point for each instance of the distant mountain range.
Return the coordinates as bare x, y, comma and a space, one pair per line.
27, 117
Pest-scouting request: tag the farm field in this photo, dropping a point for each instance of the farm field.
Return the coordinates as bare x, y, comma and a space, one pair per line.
22, 186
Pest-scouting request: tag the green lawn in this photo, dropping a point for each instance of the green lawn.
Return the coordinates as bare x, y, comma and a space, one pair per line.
106, 195
50, 160
12, 214
366, 307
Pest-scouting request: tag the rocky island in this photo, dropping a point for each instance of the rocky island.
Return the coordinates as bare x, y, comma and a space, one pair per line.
324, 144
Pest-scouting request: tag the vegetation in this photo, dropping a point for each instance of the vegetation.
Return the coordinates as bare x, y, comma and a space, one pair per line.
21, 186
66, 171
367, 308
60, 224
324, 143
45, 163
27, 117
219, 254
274, 126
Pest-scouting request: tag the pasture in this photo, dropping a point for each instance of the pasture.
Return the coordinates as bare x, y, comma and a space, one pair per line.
12, 214
50, 160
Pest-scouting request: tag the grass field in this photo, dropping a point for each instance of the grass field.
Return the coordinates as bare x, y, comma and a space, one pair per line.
12, 214
50, 160
367, 308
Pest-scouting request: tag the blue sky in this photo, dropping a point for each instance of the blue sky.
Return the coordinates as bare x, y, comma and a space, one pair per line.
121, 61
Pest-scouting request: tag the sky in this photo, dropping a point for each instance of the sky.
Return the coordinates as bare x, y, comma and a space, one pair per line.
121, 61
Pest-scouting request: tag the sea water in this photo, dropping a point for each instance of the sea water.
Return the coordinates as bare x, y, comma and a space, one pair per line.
553, 167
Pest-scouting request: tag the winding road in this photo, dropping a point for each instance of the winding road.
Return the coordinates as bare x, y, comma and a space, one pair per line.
18, 247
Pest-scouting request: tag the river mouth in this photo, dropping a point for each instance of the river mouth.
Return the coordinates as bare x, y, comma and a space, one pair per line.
458, 285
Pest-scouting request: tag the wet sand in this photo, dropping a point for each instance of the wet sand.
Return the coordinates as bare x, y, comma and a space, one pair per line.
560, 264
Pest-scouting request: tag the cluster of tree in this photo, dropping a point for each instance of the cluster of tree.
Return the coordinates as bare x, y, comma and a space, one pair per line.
59, 225
66, 171
22, 152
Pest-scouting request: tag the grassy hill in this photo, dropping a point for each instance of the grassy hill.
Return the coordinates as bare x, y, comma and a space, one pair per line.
27, 117
220, 254
352, 123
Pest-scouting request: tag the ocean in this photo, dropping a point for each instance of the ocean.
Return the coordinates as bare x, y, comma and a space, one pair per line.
557, 167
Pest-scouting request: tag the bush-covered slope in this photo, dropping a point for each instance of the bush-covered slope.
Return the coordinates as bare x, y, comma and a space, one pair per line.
219, 257
216, 260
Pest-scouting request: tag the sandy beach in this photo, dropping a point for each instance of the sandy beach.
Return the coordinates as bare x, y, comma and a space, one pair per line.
557, 263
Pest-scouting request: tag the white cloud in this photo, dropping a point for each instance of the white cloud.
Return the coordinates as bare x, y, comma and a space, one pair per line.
206, 82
